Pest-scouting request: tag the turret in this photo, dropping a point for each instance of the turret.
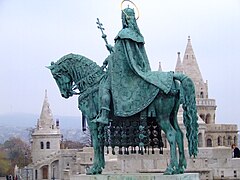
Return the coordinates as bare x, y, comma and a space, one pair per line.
159, 66
189, 66
46, 137
179, 67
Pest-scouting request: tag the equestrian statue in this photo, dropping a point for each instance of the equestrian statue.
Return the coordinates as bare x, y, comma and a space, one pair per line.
127, 105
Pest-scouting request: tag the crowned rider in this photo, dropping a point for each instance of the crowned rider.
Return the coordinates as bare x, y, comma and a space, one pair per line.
129, 80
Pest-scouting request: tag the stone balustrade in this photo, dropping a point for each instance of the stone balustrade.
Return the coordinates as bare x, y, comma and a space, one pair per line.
205, 102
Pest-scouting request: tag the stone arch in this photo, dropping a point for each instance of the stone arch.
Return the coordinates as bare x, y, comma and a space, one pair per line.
219, 141
48, 145
165, 143
164, 140
235, 140
200, 140
208, 119
44, 172
224, 141
36, 174
229, 141
202, 116
209, 142
55, 169
41, 145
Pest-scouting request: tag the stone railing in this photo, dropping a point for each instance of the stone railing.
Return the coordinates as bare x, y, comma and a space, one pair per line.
205, 102
222, 127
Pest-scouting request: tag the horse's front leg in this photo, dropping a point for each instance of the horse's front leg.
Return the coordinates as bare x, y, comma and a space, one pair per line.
98, 162
171, 137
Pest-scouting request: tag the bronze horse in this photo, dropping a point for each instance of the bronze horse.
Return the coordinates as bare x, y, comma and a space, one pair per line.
75, 72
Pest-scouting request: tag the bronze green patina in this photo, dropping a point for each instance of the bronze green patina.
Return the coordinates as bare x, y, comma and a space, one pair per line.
138, 102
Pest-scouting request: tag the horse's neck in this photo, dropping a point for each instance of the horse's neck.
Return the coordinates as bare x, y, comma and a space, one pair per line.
76, 72
83, 71
76, 68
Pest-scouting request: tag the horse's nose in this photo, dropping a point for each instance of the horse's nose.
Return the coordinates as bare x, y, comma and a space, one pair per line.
64, 95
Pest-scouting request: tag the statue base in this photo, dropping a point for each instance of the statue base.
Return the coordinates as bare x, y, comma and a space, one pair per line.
137, 176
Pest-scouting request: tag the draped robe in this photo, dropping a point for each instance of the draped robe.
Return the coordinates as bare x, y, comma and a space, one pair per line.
132, 83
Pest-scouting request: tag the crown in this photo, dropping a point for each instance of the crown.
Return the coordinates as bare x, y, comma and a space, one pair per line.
129, 12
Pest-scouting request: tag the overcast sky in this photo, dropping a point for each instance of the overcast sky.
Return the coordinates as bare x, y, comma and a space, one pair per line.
34, 33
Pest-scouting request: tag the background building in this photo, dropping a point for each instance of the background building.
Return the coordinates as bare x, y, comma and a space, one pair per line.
214, 160
214, 134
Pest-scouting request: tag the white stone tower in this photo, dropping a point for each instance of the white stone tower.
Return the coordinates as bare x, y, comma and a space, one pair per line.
160, 67
46, 138
206, 107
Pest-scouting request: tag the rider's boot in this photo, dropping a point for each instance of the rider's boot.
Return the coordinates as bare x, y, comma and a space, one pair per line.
104, 94
103, 117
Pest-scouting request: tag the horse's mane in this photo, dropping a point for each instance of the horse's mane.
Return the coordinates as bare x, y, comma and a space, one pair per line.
78, 66
74, 57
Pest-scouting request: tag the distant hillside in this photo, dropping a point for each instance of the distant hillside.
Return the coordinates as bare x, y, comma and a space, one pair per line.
30, 120
24, 133
20, 124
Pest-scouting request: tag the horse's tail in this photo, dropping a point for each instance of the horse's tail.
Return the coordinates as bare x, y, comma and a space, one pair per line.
190, 112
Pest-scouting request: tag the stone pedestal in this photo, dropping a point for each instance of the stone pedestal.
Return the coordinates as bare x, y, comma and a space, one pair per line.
137, 176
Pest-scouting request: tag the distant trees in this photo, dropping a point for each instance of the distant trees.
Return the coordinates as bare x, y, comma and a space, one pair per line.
85, 141
4, 163
68, 144
14, 152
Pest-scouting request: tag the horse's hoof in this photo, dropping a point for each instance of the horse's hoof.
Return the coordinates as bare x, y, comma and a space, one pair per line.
89, 173
93, 171
180, 170
169, 171
182, 166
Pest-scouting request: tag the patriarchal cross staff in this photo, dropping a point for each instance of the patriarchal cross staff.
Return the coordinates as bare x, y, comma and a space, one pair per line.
104, 36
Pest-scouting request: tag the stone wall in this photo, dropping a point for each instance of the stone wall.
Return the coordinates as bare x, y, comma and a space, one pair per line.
210, 163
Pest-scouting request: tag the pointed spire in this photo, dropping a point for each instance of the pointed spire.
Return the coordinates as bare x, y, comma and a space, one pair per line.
179, 67
46, 119
190, 64
159, 66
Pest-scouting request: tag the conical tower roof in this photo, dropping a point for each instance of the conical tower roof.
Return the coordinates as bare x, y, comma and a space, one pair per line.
46, 137
179, 66
159, 66
46, 118
190, 64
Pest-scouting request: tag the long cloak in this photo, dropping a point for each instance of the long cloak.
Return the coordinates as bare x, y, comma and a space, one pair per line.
133, 85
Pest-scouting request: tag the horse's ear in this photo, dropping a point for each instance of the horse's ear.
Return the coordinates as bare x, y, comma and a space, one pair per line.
51, 66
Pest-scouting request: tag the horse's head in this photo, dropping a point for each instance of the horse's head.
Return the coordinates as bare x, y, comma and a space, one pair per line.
75, 72
62, 78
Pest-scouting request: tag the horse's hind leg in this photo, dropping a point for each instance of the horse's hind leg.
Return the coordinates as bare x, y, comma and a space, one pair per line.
179, 138
171, 137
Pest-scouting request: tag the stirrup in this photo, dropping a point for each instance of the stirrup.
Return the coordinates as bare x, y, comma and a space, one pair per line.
105, 108
95, 119
102, 120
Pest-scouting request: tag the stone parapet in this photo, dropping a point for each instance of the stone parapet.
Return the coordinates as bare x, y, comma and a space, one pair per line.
137, 176
205, 102
222, 128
